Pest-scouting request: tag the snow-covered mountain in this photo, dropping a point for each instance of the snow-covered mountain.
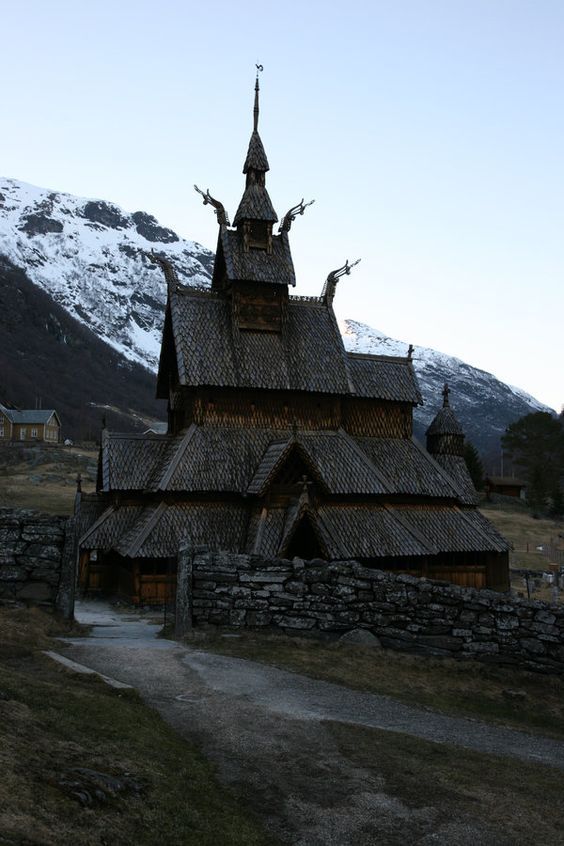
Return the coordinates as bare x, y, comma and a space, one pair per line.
88, 256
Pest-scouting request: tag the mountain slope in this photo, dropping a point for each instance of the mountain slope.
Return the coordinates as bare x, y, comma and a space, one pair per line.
88, 257
45, 353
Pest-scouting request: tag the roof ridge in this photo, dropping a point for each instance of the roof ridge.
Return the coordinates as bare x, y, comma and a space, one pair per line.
413, 530
446, 476
97, 523
175, 461
146, 523
367, 460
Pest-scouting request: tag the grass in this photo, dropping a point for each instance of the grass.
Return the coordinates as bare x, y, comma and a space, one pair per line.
499, 800
52, 720
462, 688
524, 532
42, 477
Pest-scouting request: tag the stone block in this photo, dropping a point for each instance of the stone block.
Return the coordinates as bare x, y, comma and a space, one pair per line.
237, 617
297, 587
545, 617
288, 622
258, 618
481, 648
12, 574
532, 645
361, 637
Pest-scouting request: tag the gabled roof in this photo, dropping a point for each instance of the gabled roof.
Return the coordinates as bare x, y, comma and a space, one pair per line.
307, 355
30, 416
384, 378
256, 265
255, 205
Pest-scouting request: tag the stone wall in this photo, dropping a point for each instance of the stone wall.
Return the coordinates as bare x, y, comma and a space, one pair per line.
37, 559
405, 613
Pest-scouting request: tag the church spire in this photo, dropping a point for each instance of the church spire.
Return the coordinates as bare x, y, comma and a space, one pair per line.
256, 108
255, 204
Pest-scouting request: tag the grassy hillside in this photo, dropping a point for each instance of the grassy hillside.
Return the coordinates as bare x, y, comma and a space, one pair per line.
83, 763
44, 477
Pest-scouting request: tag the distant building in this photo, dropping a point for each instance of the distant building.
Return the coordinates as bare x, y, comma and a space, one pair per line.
24, 425
505, 486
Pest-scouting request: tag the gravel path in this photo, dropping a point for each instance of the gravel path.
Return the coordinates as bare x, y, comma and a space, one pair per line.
264, 728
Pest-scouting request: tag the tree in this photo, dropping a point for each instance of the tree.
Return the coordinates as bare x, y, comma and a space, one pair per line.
474, 465
557, 502
536, 445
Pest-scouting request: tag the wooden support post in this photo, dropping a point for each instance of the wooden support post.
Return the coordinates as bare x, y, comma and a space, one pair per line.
183, 620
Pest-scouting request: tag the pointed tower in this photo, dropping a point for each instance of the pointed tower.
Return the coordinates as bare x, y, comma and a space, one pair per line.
253, 265
255, 216
445, 435
445, 442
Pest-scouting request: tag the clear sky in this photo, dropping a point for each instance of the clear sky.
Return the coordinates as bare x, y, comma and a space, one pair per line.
430, 133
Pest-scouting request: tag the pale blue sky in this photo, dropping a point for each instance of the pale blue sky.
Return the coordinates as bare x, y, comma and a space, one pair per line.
430, 133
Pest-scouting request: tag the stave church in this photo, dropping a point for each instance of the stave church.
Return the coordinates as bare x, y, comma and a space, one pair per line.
279, 442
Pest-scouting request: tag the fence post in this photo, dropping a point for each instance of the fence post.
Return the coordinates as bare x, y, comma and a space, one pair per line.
64, 602
183, 616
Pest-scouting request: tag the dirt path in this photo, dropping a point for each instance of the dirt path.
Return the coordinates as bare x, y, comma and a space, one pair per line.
266, 730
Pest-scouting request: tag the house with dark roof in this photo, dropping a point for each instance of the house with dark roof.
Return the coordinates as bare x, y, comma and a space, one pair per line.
24, 425
279, 442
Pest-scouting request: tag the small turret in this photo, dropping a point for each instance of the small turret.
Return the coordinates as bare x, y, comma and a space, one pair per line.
445, 435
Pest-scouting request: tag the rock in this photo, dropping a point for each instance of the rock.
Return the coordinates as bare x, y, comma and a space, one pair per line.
105, 215
149, 228
361, 637
515, 695
38, 224
90, 787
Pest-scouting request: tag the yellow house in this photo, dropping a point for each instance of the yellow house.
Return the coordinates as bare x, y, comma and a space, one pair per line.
39, 424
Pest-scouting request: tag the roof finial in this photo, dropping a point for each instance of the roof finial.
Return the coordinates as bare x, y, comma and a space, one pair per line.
256, 108
446, 392
410, 352
328, 292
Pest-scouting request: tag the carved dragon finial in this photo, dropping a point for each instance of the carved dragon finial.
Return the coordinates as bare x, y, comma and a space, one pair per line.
446, 392
167, 268
290, 216
219, 208
328, 292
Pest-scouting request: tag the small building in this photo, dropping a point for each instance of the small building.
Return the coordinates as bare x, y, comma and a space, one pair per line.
24, 425
505, 486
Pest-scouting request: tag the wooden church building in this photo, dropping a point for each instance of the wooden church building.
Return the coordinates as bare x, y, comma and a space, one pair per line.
279, 441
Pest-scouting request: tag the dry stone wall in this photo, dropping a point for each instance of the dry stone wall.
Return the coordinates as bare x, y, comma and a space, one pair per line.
37, 559
405, 613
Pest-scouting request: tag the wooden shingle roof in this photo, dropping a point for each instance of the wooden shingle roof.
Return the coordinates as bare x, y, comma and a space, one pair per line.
255, 205
308, 354
214, 459
256, 157
384, 378
257, 265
